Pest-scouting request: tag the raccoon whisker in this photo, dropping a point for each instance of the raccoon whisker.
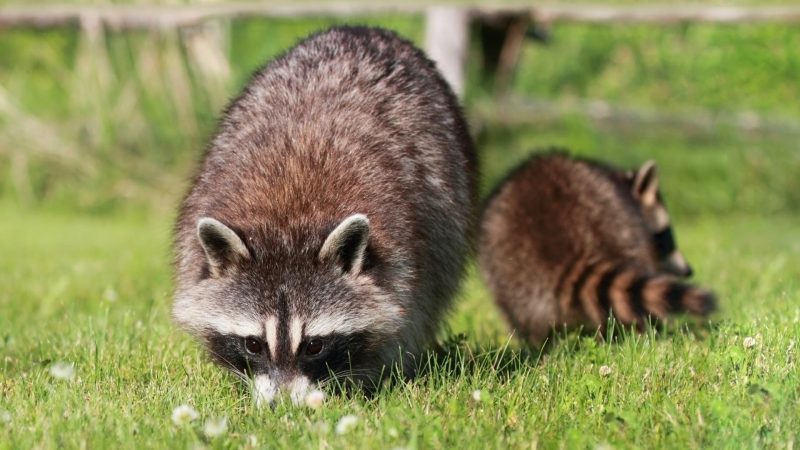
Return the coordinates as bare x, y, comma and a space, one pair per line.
345, 375
349, 372
239, 373
242, 376
336, 377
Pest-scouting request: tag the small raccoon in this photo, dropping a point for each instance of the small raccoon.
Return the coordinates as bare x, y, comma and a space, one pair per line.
326, 232
566, 241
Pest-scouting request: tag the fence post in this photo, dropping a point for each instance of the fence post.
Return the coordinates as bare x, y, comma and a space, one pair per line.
447, 42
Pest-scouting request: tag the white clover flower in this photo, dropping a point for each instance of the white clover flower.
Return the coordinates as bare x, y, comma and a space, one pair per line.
315, 399
476, 395
215, 427
184, 414
346, 423
62, 370
605, 371
749, 342
252, 441
321, 427
110, 295
5, 417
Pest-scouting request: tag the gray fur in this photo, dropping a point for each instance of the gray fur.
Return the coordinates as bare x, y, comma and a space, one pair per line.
351, 128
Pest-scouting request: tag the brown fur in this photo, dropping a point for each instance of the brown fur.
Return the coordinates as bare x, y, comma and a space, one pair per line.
350, 121
564, 242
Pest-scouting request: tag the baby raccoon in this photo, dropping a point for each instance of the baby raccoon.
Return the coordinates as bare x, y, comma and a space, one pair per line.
566, 241
326, 231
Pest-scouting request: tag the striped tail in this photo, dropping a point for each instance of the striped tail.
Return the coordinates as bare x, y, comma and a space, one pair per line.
632, 296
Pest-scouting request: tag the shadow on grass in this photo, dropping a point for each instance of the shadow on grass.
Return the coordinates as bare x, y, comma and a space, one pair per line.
459, 359
456, 357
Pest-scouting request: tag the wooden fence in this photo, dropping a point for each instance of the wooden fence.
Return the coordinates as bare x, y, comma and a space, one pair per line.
120, 17
447, 37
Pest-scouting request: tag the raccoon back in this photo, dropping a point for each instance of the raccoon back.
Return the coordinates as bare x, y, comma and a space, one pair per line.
553, 210
563, 244
342, 124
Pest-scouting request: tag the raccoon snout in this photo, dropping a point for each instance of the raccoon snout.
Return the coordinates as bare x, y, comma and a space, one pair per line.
298, 389
266, 390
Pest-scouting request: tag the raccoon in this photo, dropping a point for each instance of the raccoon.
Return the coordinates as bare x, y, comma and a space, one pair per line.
564, 242
326, 232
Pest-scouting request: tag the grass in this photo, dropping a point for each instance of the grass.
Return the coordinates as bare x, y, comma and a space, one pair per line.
97, 139
95, 292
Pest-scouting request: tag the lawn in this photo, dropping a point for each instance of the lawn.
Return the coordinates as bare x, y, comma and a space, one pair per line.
94, 292
90, 173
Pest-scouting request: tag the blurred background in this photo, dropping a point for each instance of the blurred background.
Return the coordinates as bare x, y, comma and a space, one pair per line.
105, 108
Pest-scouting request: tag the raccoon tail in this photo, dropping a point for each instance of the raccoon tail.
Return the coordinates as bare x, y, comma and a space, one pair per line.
632, 296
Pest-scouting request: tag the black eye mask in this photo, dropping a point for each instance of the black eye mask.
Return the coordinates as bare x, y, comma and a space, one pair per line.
340, 353
228, 350
664, 242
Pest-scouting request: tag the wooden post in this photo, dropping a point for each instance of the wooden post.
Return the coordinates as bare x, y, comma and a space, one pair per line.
501, 37
447, 41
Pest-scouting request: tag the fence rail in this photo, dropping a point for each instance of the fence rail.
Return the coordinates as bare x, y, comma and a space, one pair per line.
524, 111
122, 17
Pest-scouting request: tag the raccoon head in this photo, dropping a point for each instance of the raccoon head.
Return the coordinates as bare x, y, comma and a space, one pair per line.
644, 186
291, 316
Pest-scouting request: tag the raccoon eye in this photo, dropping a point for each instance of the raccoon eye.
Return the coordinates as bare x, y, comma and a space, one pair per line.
313, 347
253, 345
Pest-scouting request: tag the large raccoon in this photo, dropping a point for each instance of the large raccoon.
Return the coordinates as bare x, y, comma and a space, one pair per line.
566, 241
326, 232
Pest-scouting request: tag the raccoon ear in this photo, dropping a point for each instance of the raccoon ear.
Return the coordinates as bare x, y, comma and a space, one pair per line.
645, 183
347, 244
223, 247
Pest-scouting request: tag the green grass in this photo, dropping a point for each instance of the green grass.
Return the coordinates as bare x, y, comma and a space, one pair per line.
95, 292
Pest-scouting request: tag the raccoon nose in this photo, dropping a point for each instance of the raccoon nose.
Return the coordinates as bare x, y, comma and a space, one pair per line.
281, 386
688, 272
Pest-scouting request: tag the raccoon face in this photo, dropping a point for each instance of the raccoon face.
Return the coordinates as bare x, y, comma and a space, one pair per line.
286, 319
644, 186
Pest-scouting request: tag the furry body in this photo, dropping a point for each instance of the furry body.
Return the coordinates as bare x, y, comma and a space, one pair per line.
564, 242
346, 171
